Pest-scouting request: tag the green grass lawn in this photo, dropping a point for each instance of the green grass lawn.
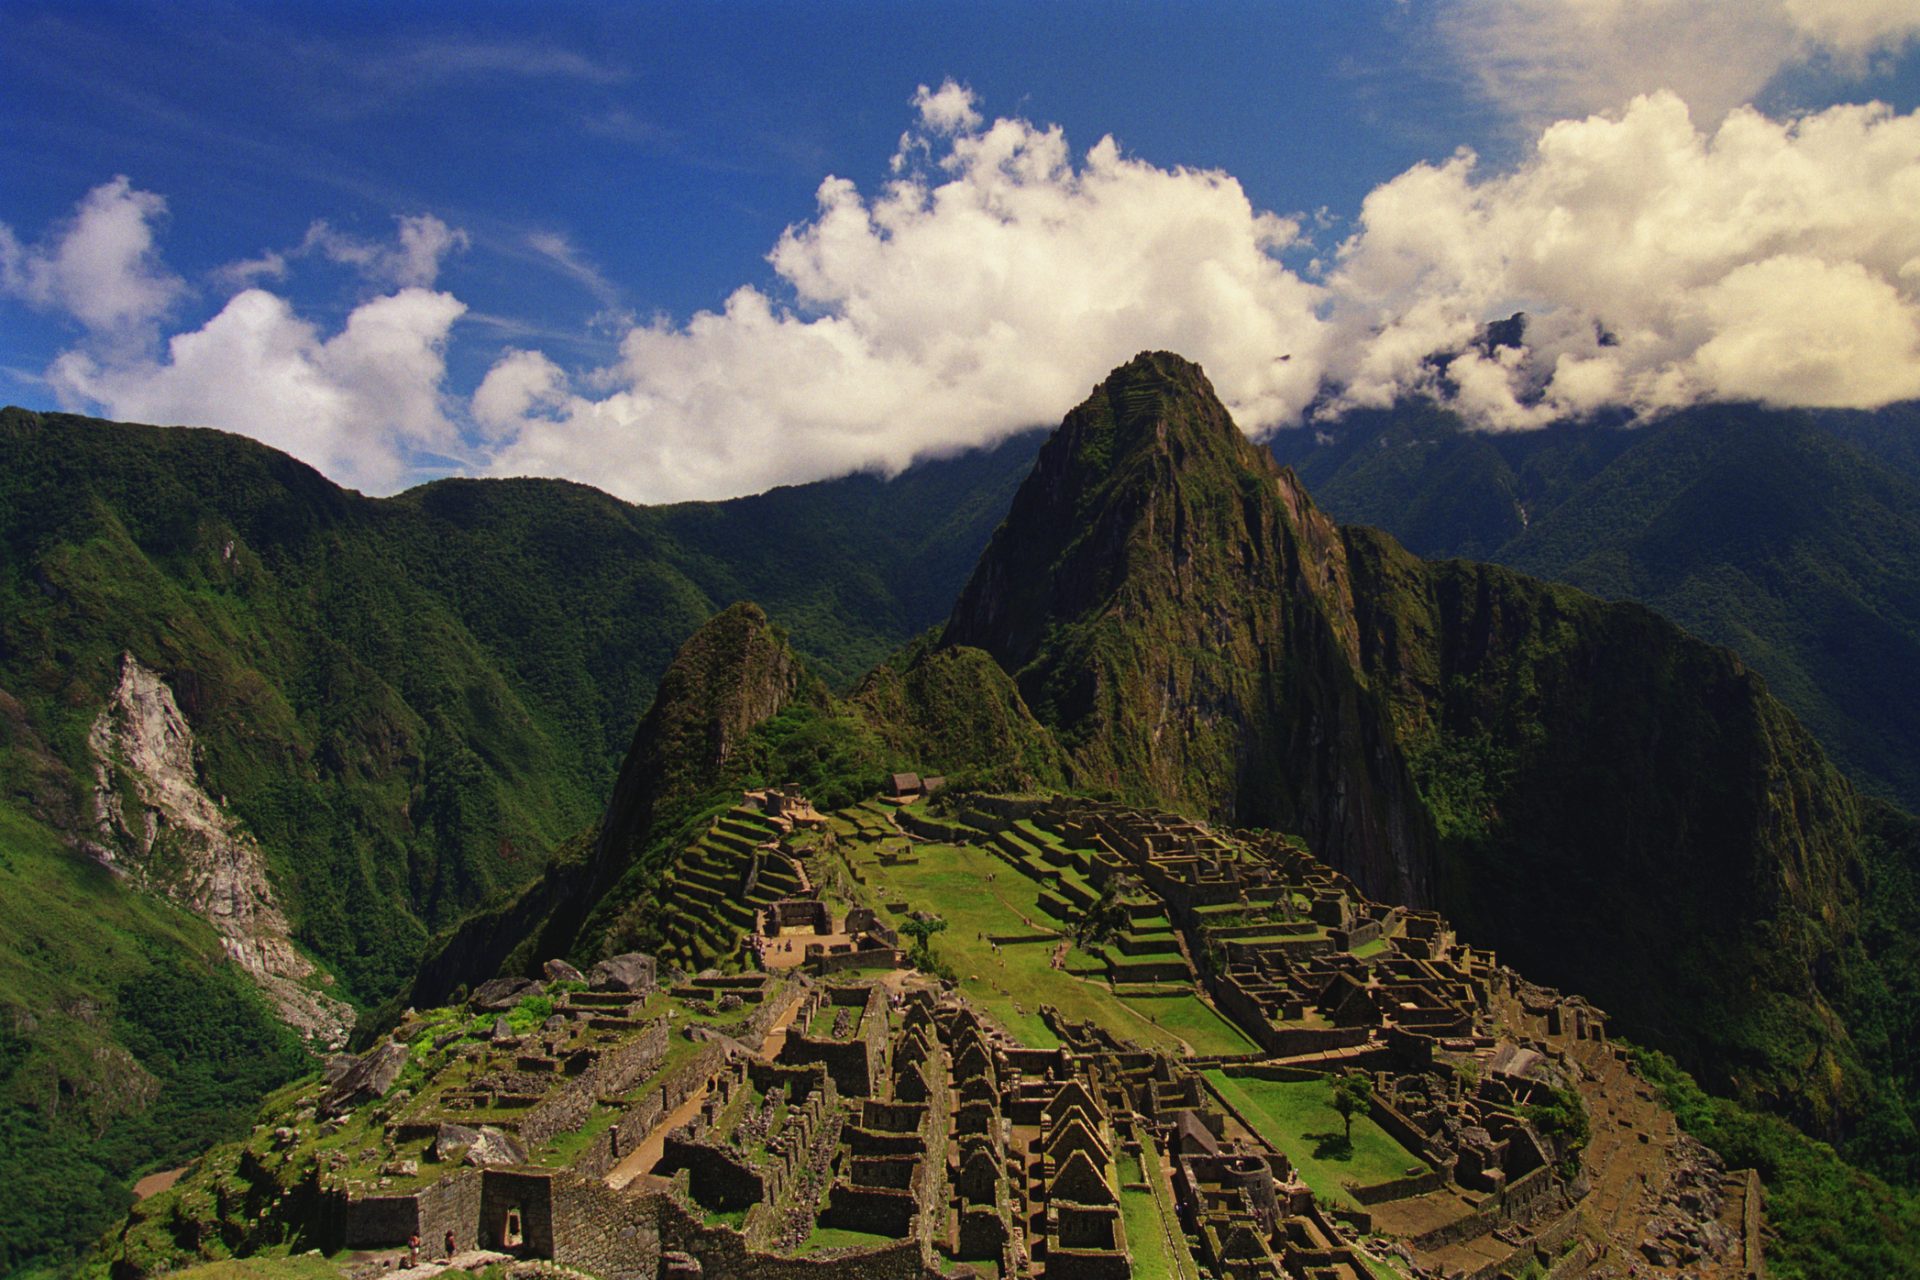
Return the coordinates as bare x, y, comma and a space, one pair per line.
980, 896
1194, 1021
298, 1267
1153, 1228
824, 1238
1298, 1117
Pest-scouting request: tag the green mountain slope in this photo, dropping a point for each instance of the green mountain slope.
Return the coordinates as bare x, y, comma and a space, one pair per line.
1173, 606
1792, 537
1621, 808
409, 702
738, 707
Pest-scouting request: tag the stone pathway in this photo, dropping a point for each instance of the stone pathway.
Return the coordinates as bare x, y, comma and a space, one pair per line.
636, 1166
154, 1183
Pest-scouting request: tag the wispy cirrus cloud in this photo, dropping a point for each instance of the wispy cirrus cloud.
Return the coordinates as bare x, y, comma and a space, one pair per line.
1549, 60
560, 253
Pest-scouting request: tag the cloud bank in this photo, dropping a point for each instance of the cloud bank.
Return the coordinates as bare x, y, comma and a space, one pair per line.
982, 290
1660, 265
998, 274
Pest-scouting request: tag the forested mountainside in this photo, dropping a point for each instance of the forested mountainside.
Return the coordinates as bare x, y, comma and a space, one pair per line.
1791, 536
378, 713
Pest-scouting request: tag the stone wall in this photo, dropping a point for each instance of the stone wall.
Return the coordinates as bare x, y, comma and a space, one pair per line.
451, 1204
610, 1234
640, 1119
567, 1108
716, 1178
506, 1192
724, 1252
860, 958
379, 1222
1397, 1188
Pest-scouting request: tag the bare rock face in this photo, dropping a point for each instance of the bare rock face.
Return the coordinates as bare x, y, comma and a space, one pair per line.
159, 826
630, 972
501, 994
561, 971
370, 1076
486, 1145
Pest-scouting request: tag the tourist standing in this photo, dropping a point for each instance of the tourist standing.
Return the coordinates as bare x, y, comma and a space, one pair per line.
449, 1245
413, 1249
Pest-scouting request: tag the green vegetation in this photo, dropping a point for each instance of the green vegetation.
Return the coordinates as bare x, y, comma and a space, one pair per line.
127, 1045
1562, 1119
1827, 1218
1297, 1116
824, 1238
1618, 808
1352, 1093
303, 1266
1792, 536
411, 702
921, 926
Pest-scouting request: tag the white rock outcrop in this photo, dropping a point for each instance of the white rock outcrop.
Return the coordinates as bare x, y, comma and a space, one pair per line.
160, 826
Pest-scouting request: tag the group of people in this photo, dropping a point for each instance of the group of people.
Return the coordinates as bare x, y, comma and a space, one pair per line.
413, 1250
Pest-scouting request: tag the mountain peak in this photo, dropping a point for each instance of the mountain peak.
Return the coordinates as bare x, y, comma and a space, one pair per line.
1170, 602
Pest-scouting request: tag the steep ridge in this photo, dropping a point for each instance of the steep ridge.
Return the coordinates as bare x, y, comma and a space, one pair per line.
411, 701
1621, 808
157, 823
1172, 605
1791, 536
406, 705
730, 676
738, 707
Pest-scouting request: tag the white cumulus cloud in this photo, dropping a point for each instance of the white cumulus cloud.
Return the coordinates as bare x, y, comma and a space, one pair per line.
981, 291
1660, 264
100, 266
359, 405
363, 404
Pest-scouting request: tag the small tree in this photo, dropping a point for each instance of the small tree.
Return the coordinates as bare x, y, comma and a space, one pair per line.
1352, 1094
921, 926
1108, 917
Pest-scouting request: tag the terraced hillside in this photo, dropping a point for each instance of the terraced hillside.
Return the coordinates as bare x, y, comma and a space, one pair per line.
1059, 1107
719, 885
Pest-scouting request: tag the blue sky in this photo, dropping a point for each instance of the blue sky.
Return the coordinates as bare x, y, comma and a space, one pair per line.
402, 241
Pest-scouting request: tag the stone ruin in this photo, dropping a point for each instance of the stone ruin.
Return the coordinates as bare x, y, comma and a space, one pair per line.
902, 1119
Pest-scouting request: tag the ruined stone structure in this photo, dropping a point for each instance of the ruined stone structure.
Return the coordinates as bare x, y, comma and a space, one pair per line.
786, 1125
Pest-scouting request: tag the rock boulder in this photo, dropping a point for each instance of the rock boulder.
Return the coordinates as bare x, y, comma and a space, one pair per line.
630, 972
501, 994
370, 1076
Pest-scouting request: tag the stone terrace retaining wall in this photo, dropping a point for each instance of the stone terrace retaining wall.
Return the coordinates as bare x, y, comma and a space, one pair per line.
612, 1235
567, 1108
724, 1252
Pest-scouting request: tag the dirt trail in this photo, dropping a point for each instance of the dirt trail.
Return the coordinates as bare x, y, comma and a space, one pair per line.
635, 1165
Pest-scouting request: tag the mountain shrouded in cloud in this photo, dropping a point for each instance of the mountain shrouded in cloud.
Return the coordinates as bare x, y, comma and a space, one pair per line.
1662, 260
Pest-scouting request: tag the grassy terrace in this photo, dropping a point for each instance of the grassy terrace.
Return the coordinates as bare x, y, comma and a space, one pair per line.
823, 1239
1153, 1226
981, 897
1298, 1118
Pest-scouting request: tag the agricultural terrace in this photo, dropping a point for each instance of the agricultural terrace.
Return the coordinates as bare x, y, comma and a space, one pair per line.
982, 898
